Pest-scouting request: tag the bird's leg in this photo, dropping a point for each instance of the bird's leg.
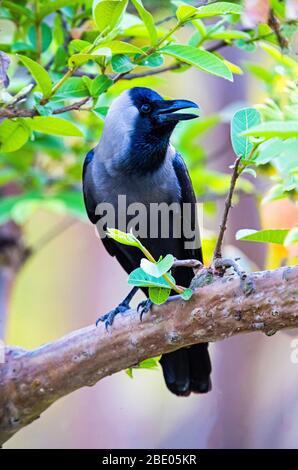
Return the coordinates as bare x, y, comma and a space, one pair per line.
108, 318
144, 307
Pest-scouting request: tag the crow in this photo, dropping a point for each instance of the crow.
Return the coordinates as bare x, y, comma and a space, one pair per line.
134, 159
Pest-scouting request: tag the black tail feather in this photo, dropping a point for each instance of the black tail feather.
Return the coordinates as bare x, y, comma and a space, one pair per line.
187, 370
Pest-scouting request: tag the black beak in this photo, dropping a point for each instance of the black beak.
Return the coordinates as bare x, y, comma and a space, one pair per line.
165, 110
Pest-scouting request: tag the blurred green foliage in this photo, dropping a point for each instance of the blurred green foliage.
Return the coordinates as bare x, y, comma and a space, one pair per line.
58, 55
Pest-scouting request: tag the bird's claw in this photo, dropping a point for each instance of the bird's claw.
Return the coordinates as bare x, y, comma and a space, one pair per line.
144, 307
109, 317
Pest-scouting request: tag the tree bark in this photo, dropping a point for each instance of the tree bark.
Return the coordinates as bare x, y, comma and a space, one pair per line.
30, 381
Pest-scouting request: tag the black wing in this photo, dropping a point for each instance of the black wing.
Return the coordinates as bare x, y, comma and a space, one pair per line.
187, 196
128, 257
187, 370
87, 187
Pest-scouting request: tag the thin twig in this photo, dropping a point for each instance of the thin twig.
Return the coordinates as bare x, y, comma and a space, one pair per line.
275, 25
13, 113
228, 205
187, 263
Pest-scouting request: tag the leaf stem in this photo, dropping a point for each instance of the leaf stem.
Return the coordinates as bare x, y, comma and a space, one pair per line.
148, 255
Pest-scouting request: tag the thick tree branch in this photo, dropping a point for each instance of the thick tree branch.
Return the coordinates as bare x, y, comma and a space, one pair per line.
30, 381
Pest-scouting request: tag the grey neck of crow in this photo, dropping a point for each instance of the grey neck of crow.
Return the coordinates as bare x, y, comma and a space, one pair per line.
128, 144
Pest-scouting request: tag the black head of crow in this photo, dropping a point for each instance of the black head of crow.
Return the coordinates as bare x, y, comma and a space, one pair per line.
135, 158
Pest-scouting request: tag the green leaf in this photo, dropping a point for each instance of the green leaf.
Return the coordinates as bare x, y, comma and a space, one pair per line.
107, 14
150, 363
39, 74
100, 85
13, 135
263, 236
104, 50
121, 63
159, 295
122, 237
159, 268
7, 175
8, 203
185, 12
199, 58
241, 121
54, 126
268, 150
245, 45
60, 61
148, 20
229, 34
119, 47
260, 72
154, 60
54, 5
218, 9
284, 129
280, 57
250, 171
187, 294
138, 277
19, 10
292, 237
78, 45
74, 87
73, 202
129, 372
46, 36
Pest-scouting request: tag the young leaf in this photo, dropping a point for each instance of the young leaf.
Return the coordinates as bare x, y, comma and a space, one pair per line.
159, 295
122, 237
121, 63
150, 363
241, 121
13, 135
284, 129
120, 47
185, 12
154, 60
100, 85
157, 269
269, 150
292, 237
218, 9
8, 203
229, 34
148, 20
263, 236
73, 203
74, 87
245, 45
39, 74
187, 294
129, 372
107, 14
199, 58
46, 36
54, 126
139, 278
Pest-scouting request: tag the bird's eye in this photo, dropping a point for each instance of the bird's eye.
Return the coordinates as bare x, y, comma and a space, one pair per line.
146, 108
